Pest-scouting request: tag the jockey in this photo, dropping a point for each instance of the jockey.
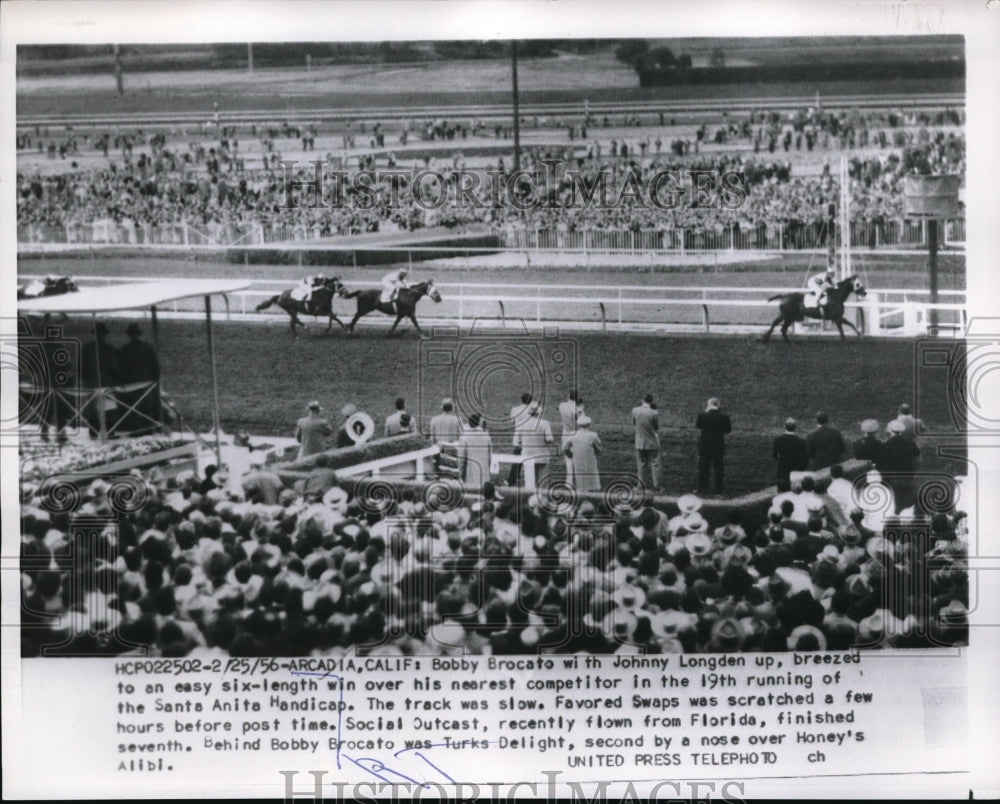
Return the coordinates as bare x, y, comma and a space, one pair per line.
817, 287
305, 288
391, 284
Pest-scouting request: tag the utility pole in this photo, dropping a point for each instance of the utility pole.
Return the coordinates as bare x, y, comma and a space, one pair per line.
250, 57
517, 113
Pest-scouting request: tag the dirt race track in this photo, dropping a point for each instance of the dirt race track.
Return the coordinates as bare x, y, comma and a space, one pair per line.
266, 378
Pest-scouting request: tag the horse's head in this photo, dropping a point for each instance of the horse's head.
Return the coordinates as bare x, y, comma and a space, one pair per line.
334, 285
69, 285
853, 284
428, 289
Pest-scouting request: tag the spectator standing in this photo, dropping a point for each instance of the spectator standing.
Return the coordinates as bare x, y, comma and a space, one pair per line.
320, 480
446, 428
533, 439
897, 462
569, 411
519, 413
394, 423
647, 441
911, 425
261, 484
475, 452
137, 363
311, 431
714, 426
790, 451
868, 447
824, 445
584, 447
98, 370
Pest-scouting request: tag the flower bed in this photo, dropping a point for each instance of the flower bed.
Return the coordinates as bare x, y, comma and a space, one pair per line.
42, 461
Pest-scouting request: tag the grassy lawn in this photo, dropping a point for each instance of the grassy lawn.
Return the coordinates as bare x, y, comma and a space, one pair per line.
266, 377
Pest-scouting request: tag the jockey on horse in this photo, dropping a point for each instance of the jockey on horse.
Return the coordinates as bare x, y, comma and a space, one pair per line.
817, 287
304, 290
392, 283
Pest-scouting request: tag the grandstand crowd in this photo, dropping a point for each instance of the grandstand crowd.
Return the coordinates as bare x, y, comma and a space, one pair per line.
211, 179
253, 566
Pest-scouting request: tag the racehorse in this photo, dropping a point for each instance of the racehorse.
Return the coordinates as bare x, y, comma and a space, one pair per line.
793, 307
406, 303
49, 286
319, 304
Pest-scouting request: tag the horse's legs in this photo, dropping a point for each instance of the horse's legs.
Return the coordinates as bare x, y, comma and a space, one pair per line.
774, 323
845, 321
413, 318
394, 325
350, 327
784, 328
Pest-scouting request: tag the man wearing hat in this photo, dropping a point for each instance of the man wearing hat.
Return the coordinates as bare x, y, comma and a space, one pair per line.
897, 462
911, 424
394, 424
261, 484
311, 431
583, 448
714, 426
475, 448
790, 451
533, 439
137, 363
647, 441
868, 447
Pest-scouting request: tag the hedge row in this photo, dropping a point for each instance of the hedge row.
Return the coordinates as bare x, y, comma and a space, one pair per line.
753, 507
277, 255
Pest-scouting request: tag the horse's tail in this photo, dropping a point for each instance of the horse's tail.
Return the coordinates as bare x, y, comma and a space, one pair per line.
779, 296
265, 304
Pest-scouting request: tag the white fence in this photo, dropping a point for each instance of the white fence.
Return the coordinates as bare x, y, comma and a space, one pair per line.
626, 307
763, 237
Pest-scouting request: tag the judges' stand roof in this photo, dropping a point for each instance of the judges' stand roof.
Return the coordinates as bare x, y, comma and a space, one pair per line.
131, 296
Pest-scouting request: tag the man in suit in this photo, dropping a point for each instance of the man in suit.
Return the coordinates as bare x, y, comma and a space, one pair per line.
897, 462
98, 370
533, 438
868, 447
137, 363
911, 424
789, 450
647, 441
394, 423
446, 427
714, 426
475, 449
311, 431
824, 445
569, 411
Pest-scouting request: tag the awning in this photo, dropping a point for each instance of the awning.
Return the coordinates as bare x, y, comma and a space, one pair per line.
132, 296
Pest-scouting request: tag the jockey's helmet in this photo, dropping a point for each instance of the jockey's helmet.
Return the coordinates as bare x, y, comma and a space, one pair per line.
403, 272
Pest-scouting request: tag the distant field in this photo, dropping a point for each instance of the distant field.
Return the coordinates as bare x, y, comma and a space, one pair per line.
566, 78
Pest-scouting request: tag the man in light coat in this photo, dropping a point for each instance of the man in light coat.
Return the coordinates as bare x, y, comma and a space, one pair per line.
647, 441
475, 451
311, 431
585, 446
533, 439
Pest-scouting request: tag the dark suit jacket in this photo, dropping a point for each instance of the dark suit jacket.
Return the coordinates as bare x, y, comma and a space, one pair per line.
714, 426
790, 452
868, 448
898, 454
825, 445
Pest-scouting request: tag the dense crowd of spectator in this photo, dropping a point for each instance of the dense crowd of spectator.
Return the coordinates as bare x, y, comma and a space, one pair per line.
251, 566
212, 180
